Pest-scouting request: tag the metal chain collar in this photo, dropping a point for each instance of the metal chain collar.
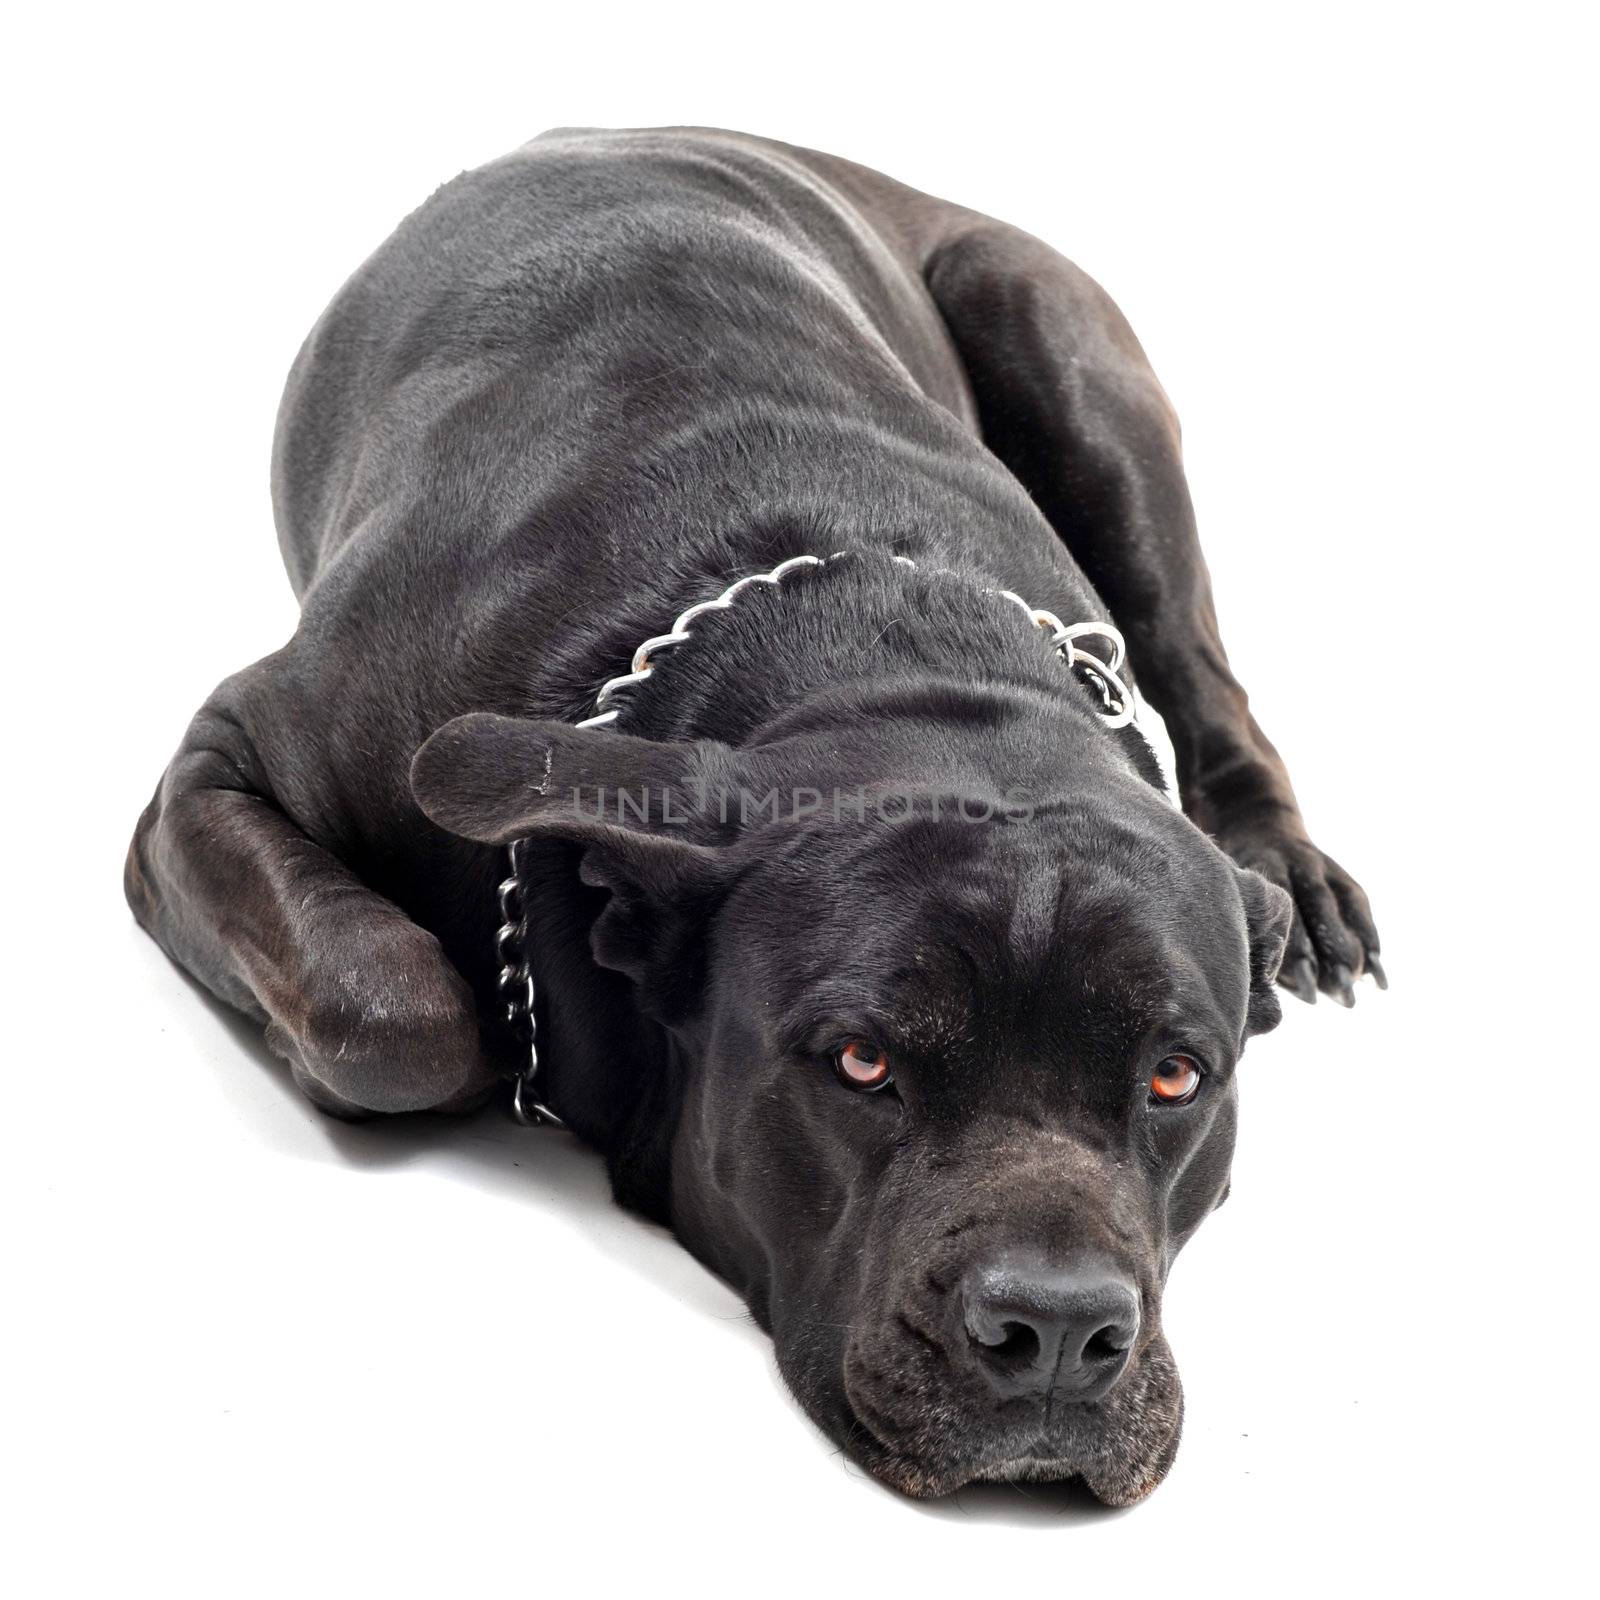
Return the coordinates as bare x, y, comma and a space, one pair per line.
517, 989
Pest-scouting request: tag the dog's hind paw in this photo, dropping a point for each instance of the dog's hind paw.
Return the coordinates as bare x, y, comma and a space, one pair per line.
383, 1023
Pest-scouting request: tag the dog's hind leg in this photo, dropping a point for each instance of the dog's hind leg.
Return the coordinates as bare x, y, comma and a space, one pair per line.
360, 1000
1067, 400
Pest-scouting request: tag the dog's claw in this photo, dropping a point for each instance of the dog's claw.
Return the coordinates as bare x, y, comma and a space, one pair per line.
1331, 935
1375, 967
1301, 980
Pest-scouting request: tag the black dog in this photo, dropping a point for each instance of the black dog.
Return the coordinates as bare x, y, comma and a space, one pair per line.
869, 828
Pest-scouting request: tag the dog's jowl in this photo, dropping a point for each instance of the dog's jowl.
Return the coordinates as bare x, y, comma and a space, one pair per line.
864, 940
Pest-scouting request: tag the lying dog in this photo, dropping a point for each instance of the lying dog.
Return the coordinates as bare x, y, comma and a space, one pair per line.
866, 944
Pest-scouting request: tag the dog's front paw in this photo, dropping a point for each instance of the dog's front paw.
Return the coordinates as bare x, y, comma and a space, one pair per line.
1333, 939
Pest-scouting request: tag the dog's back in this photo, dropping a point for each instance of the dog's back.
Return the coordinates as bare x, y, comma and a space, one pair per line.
567, 310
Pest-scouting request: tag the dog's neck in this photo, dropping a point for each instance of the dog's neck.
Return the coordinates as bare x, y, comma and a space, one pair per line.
863, 638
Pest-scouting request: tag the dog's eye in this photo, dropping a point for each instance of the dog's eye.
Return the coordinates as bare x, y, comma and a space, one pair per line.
863, 1066
1176, 1081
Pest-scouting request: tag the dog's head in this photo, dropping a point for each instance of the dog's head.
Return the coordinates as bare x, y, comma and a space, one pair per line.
958, 1062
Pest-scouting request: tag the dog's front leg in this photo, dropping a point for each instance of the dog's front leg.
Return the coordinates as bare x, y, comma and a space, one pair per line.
360, 1000
1069, 403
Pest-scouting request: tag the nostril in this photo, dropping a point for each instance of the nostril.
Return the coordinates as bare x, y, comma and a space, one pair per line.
1106, 1344
1017, 1345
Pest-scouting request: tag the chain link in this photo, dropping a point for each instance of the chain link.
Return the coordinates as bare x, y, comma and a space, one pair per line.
517, 991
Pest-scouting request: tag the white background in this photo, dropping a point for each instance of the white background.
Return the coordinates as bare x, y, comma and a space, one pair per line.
254, 1352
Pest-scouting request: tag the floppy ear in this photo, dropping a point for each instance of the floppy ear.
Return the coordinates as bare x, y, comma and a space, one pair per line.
1268, 912
632, 806
495, 779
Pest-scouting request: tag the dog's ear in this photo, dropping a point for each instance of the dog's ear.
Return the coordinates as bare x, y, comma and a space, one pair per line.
635, 808
1268, 913
495, 779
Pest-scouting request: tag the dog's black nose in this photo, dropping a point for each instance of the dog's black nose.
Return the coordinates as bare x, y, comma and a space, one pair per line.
1043, 1329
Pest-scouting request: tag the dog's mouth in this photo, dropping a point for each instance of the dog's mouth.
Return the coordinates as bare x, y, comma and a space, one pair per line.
1120, 1448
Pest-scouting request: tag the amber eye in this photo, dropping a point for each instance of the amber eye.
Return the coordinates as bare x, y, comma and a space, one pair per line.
1176, 1081
863, 1066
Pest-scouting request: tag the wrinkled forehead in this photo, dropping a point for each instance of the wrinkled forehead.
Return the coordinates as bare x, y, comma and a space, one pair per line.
939, 927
